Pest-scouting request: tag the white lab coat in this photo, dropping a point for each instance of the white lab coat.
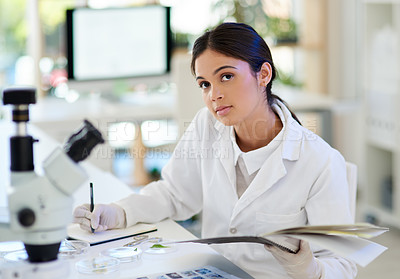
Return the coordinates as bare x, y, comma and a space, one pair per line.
302, 182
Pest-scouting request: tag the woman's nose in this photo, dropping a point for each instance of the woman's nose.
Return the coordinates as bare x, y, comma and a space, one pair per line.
216, 94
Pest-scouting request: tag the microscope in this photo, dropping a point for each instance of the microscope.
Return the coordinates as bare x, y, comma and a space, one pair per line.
40, 206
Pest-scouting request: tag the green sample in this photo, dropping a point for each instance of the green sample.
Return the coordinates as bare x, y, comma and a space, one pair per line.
158, 246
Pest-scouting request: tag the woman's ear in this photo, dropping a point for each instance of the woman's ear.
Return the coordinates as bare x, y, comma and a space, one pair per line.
265, 74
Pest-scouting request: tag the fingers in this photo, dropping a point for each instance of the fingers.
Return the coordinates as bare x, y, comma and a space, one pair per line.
304, 245
101, 228
304, 248
88, 220
268, 247
274, 250
86, 226
95, 216
83, 216
81, 211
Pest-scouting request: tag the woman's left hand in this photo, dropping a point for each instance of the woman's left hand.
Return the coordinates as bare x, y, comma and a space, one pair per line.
302, 265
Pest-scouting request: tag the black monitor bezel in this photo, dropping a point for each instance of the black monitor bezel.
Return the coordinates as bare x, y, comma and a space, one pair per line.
70, 43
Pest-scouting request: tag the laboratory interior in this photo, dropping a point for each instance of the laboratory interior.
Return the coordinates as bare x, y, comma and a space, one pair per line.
117, 73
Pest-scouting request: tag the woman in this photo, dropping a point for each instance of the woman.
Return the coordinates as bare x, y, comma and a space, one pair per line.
246, 163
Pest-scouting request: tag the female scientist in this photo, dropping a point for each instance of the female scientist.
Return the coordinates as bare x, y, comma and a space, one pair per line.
246, 163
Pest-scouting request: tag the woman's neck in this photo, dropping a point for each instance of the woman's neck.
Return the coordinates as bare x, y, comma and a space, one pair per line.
259, 133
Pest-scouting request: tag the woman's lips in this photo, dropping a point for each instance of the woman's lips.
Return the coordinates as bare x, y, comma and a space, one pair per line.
223, 110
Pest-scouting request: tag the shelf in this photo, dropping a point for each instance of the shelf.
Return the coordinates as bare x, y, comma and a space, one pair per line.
382, 144
379, 177
383, 216
304, 46
382, 128
381, 1
380, 57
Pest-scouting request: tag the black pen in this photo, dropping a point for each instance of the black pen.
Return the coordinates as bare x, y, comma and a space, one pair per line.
91, 203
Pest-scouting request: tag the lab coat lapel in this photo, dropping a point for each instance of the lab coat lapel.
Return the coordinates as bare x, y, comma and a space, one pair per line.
271, 171
223, 149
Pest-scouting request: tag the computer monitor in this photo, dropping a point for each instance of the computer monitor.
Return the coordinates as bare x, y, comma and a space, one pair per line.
114, 43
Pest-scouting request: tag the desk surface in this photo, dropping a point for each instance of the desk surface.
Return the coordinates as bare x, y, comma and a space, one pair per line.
187, 256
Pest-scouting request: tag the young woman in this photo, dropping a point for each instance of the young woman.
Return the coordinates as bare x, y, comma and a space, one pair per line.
246, 163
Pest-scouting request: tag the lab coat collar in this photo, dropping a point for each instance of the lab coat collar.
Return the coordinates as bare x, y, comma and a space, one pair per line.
292, 137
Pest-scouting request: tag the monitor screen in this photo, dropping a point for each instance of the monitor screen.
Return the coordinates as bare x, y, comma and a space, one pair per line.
118, 42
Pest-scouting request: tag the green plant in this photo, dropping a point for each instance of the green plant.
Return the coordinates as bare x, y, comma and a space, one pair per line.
282, 30
252, 12
287, 79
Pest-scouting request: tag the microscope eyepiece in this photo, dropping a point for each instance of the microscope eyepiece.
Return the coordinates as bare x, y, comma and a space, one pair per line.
81, 143
21, 144
19, 96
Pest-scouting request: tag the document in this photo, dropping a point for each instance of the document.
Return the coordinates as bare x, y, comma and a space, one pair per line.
348, 240
203, 272
75, 232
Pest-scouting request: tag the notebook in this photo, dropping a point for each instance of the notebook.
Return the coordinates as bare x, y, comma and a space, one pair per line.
75, 232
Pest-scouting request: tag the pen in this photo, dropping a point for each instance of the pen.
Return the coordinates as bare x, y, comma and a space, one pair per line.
91, 202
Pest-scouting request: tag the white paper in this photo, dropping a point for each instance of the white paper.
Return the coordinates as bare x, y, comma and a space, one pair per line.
359, 250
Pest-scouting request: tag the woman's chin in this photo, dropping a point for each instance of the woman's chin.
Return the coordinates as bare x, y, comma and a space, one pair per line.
225, 120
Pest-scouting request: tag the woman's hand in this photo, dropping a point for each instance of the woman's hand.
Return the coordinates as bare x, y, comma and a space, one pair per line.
103, 217
302, 265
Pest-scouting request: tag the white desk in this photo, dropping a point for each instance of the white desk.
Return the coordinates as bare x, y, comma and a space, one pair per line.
108, 189
186, 257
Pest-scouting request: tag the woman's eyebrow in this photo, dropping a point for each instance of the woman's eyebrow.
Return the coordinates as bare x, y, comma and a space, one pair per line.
223, 67
218, 69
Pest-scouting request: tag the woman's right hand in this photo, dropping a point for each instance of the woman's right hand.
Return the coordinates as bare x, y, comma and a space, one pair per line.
103, 217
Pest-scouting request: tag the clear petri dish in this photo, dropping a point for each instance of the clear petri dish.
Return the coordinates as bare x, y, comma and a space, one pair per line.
16, 256
98, 265
124, 254
10, 246
158, 248
72, 248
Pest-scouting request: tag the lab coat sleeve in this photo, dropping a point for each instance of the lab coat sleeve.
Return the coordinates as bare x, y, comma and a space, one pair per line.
335, 267
178, 195
329, 203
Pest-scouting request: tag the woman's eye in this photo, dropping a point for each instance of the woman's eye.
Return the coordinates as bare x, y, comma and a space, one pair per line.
204, 85
227, 77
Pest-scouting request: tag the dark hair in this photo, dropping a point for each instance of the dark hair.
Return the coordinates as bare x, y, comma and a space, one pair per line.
241, 41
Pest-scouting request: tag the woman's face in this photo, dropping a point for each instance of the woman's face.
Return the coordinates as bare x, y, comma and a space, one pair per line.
231, 91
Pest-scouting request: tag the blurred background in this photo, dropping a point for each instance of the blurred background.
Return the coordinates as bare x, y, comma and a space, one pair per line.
125, 65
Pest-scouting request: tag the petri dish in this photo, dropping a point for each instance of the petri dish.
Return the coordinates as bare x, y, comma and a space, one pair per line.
158, 248
72, 248
98, 265
10, 246
16, 256
124, 254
